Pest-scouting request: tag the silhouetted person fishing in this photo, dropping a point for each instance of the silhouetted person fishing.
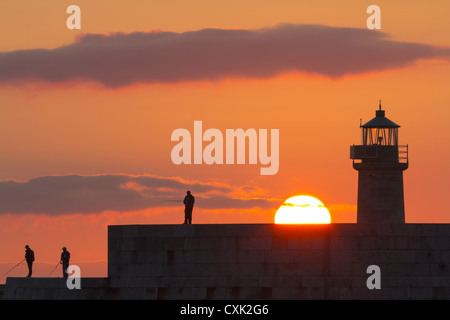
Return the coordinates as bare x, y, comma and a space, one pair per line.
65, 257
189, 206
29, 257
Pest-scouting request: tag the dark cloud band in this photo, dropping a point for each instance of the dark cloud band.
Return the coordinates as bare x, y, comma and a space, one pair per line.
121, 59
96, 193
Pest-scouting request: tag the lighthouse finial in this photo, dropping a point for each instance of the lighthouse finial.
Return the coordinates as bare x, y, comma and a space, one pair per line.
380, 104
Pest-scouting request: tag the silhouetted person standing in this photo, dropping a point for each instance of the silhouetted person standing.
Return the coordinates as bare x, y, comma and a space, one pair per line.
29, 256
188, 207
65, 257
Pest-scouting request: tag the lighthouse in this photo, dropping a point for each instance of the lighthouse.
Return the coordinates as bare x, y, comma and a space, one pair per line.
380, 162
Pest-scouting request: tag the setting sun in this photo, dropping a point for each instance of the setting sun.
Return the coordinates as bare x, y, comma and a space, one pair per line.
302, 209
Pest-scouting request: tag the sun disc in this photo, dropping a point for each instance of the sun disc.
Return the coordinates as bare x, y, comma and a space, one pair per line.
302, 209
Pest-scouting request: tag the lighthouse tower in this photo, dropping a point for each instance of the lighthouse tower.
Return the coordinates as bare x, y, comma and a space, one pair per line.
380, 162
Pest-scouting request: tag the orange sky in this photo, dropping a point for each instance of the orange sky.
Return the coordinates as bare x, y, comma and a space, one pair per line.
84, 128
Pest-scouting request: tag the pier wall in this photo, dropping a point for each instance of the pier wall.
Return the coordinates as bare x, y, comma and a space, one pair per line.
262, 261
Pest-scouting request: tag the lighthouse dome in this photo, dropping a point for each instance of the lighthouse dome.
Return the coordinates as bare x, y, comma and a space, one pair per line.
380, 121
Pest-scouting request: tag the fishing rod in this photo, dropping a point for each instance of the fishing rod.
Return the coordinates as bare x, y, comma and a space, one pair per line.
53, 270
11, 269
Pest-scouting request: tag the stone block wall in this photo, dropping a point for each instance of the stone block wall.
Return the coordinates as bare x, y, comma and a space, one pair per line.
380, 192
261, 261
55, 289
266, 261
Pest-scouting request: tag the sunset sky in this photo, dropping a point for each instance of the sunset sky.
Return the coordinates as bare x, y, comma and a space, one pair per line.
86, 116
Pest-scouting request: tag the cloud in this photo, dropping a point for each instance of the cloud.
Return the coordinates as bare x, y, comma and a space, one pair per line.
119, 59
68, 194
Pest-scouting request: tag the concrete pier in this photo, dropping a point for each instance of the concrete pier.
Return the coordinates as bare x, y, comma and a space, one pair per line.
262, 261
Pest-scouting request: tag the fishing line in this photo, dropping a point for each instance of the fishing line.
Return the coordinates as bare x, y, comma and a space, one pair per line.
11, 269
53, 270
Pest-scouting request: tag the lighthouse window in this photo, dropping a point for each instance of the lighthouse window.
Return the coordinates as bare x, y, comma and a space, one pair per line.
380, 136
